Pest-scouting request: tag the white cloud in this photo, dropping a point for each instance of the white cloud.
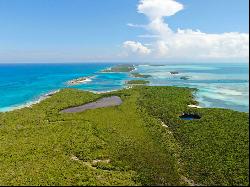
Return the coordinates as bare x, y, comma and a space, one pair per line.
156, 9
195, 44
188, 43
136, 47
161, 48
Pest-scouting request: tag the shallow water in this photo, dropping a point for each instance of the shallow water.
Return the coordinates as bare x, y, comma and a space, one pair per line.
22, 84
220, 85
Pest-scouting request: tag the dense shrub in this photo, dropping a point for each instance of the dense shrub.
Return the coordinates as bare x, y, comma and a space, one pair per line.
144, 140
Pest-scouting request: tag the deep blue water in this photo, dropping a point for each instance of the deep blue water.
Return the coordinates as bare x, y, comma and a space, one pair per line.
190, 117
220, 85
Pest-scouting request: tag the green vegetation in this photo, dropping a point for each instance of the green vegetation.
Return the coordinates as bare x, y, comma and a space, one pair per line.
137, 82
120, 68
138, 75
141, 142
215, 148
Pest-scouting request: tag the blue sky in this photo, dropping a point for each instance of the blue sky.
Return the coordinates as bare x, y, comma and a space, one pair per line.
97, 30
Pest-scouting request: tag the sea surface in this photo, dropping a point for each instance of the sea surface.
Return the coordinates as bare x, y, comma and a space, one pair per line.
219, 85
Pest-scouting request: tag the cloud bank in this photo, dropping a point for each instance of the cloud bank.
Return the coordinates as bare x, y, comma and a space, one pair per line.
186, 43
136, 47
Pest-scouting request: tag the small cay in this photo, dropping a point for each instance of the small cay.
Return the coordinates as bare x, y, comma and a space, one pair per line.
78, 81
120, 68
174, 72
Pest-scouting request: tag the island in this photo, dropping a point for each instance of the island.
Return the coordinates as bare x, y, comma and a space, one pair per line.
120, 68
78, 81
138, 75
128, 137
174, 72
138, 82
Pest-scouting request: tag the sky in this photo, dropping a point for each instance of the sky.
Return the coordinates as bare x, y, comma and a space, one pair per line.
124, 31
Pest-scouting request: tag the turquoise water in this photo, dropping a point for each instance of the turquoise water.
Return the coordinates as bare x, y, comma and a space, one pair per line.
23, 84
220, 85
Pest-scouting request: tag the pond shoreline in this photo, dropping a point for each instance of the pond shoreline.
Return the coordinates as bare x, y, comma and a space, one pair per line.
100, 103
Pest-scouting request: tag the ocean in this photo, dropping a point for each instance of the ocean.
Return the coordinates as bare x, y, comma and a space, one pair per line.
219, 85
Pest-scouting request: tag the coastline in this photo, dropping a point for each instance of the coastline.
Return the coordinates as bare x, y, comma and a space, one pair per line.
48, 95
51, 93
212, 93
73, 82
29, 103
129, 123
